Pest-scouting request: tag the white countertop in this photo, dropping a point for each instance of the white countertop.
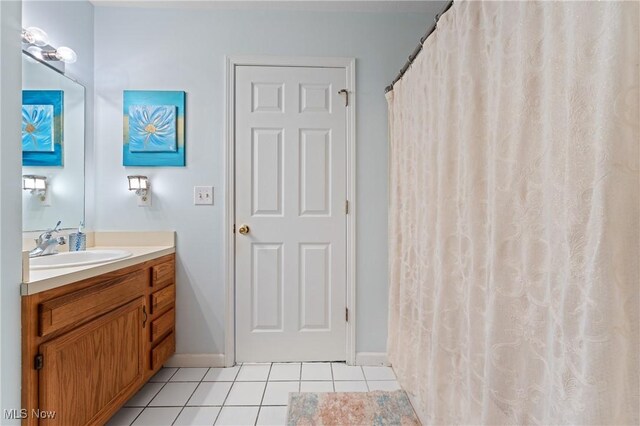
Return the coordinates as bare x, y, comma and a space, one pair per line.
46, 279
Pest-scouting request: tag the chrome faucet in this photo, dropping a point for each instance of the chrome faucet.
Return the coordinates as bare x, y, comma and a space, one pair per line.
46, 244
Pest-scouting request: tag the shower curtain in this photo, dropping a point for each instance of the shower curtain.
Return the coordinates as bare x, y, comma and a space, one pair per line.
514, 234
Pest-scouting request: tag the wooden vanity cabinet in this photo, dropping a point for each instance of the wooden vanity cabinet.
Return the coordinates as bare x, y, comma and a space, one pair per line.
87, 347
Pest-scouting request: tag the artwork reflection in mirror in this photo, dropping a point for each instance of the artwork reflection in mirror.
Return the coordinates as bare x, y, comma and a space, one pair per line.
42, 118
53, 123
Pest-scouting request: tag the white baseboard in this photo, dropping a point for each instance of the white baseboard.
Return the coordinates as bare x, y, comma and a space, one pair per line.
195, 360
372, 358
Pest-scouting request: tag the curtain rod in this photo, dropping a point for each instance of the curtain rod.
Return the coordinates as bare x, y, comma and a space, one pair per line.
417, 50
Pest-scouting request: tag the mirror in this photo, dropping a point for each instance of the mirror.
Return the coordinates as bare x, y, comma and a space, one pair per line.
53, 117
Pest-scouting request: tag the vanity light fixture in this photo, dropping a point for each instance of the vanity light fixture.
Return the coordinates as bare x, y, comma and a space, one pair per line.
141, 185
36, 43
37, 185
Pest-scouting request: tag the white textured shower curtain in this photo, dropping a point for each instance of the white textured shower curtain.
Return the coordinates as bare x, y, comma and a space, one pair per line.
514, 216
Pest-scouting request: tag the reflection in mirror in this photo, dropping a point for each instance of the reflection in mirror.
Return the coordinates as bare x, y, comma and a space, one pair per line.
53, 116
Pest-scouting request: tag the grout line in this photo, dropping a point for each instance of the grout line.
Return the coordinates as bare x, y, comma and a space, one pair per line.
227, 395
136, 417
190, 396
333, 383
156, 394
366, 382
263, 394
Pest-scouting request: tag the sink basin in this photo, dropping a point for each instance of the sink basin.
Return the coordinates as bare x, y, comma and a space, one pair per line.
76, 258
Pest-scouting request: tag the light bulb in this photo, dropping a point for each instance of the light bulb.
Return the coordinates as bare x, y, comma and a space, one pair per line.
37, 36
66, 54
27, 37
35, 51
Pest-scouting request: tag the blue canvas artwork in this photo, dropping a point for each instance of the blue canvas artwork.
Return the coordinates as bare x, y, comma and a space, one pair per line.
42, 127
37, 128
153, 128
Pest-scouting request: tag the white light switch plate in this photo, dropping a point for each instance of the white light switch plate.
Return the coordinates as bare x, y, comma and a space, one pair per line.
202, 195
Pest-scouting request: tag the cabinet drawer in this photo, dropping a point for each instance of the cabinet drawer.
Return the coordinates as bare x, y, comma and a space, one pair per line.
163, 351
163, 274
163, 324
163, 298
89, 303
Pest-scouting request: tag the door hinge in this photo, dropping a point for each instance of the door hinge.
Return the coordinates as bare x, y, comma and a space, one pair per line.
346, 207
346, 314
38, 362
346, 96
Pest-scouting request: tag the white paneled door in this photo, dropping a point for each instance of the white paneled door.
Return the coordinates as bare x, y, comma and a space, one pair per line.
290, 164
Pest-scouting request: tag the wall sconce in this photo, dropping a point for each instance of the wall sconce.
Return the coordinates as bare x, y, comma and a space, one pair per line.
38, 187
36, 43
141, 185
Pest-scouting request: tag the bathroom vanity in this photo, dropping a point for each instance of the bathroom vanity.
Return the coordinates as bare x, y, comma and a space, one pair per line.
89, 344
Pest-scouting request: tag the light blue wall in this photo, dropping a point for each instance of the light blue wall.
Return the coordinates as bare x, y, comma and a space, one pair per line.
10, 207
184, 49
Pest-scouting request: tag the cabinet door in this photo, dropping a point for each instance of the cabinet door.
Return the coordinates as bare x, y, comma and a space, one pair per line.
93, 366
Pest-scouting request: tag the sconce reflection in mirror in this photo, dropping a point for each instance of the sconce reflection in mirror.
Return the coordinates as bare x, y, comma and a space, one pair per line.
38, 187
36, 43
141, 185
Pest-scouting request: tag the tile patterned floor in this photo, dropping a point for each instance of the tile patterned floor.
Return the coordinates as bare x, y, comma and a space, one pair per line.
250, 394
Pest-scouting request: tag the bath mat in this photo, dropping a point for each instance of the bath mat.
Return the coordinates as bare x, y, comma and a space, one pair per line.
351, 408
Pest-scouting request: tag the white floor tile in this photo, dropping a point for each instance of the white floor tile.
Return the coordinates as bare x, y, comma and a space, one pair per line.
174, 394
158, 416
316, 371
253, 372
383, 385
163, 375
144, 395
210, 393
285, 372
277, 393
272, 416
347, 386
246, 393
189, 375
316, 386
124, 416
222, 374
197, 416
343, 371
237, 416
378, 373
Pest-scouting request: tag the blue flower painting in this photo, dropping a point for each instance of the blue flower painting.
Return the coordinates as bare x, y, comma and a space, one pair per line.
42, 127
37, 128
153, 130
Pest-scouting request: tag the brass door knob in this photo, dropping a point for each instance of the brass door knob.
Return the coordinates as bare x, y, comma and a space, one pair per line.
244, 230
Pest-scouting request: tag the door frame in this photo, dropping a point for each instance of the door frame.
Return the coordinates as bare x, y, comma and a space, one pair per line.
349, 65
